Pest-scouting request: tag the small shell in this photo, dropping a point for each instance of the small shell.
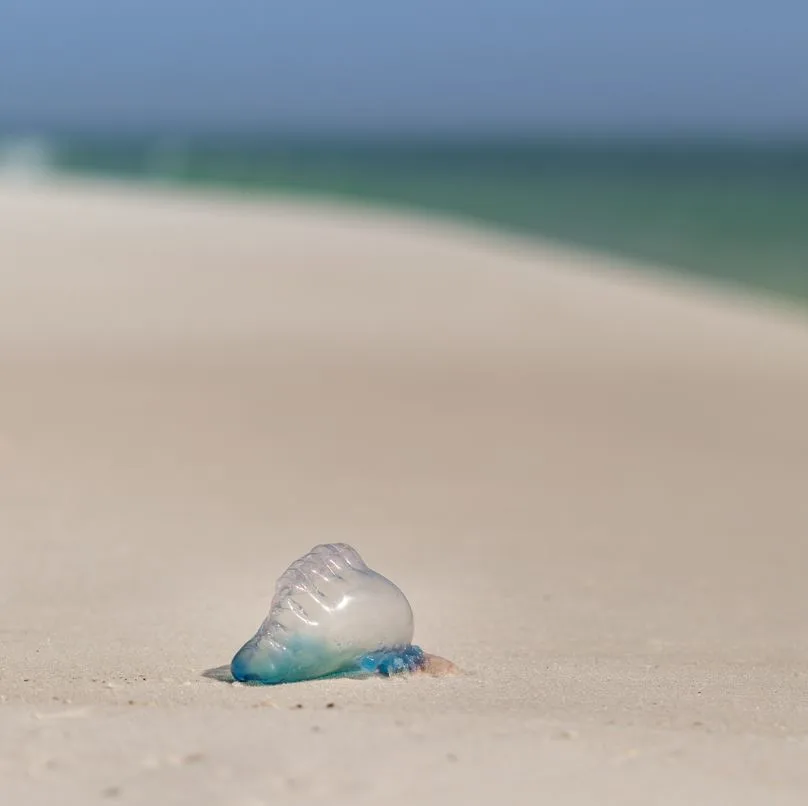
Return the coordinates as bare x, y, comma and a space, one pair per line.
331, 614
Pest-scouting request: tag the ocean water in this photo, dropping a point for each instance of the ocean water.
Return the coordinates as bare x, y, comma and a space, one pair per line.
732, 211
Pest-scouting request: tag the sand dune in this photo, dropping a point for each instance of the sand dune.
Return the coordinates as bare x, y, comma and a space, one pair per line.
590, 481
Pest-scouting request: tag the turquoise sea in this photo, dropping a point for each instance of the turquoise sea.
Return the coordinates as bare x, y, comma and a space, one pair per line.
729, 210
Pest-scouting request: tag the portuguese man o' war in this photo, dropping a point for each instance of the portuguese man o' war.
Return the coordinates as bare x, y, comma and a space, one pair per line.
333, 616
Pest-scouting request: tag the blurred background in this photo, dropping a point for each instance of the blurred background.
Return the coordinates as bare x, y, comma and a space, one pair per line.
669, 132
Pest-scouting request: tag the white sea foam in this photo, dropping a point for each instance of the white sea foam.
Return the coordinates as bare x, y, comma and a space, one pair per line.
26, 158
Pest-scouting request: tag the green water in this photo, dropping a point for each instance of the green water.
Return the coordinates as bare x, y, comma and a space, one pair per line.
732, 211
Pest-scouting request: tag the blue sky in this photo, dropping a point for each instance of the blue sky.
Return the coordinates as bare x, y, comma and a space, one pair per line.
419, 64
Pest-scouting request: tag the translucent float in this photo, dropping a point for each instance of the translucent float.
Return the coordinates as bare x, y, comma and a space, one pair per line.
333, 615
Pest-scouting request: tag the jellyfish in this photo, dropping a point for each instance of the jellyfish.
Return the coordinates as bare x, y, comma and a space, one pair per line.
332, 615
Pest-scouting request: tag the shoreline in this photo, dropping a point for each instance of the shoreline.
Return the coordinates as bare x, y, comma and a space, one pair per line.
727, 212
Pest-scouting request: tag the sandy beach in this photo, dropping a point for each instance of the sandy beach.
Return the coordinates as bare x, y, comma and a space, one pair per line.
590, 481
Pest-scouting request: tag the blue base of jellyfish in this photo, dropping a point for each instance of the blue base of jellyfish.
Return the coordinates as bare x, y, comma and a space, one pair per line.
388, 663
309, 661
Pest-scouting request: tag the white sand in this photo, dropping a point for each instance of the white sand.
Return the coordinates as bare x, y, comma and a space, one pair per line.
593, 486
